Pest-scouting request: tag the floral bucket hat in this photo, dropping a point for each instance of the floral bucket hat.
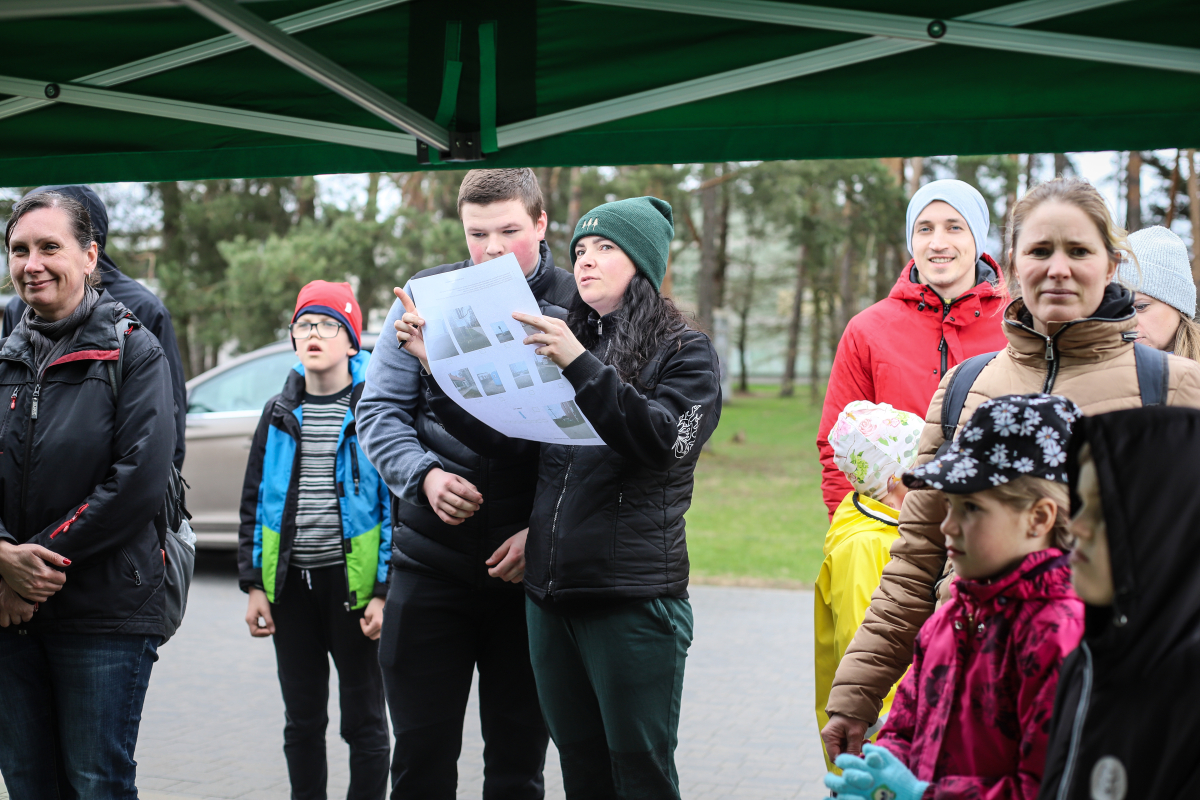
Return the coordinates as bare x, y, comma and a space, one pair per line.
1005, 438
872, 443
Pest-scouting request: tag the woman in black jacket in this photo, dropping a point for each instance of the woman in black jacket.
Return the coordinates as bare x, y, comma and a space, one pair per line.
1125, 715
605, 564
83, 473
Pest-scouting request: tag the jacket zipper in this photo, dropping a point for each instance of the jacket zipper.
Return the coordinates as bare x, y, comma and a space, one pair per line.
554, 522
1052, 370
345, 548
137, 576
8, 416
1085, 697
943, 346
66, 526
37, 390
354, 465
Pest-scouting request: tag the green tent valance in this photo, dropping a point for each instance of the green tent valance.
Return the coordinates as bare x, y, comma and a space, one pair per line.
107, 90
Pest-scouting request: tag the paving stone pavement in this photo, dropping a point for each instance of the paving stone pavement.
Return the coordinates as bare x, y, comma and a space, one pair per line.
213, 720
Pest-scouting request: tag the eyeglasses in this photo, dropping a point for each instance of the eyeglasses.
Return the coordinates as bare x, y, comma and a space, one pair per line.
326, 329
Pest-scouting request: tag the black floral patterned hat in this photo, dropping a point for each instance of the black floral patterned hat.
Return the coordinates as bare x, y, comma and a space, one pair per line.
1005, 438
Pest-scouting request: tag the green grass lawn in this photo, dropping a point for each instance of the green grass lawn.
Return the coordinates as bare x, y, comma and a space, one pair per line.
757, 511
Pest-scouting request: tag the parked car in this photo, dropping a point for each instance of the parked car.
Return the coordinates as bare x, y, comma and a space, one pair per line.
224, 406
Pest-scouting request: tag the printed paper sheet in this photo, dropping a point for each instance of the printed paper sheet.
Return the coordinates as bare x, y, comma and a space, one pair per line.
476, 355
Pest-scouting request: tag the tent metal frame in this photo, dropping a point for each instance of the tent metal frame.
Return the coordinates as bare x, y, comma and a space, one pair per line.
889, 34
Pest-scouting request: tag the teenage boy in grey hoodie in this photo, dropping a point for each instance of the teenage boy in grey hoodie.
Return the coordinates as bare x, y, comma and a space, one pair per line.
455, 602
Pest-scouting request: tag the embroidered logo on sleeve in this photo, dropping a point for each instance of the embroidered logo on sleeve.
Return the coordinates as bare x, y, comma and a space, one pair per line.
689, 428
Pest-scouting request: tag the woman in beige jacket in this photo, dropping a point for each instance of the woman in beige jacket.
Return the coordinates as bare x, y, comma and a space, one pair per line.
1070, 332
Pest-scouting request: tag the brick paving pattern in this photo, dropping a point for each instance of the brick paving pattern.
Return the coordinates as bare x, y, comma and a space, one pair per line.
213, 721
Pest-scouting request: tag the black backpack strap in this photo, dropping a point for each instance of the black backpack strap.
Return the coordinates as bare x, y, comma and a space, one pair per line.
116, 373
1153, 374
957, 390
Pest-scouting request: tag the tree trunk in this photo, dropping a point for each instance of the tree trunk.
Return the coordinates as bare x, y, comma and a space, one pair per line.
1133, 192
706, 299
744, 328
722, 246
172, 245
306, 197
371, 210
914, 180
845, 289
1031, 160
814, 366
885, 270
1061, 165
573, 210
788, 387
1174, 191
1194, 207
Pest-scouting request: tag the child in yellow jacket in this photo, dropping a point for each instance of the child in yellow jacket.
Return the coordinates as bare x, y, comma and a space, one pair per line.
873, 444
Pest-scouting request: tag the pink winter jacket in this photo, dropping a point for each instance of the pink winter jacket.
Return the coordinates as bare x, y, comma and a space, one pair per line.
973, 714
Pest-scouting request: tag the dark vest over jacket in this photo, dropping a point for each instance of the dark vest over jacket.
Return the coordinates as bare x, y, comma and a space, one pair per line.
420, 539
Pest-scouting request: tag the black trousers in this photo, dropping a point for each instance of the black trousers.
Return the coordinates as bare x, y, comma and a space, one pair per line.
436, 631
312, 623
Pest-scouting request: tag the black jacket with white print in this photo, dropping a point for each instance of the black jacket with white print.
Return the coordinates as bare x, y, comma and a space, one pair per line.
607, 523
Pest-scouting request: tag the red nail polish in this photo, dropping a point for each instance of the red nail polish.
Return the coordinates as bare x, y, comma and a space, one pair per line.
66, 562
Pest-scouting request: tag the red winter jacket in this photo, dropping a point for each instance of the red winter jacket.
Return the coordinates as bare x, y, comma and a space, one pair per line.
897, 350
973, 714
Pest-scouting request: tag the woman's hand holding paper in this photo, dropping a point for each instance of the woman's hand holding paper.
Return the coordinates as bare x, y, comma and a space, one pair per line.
556, 340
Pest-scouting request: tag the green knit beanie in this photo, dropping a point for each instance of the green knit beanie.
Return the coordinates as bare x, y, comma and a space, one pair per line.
640, 226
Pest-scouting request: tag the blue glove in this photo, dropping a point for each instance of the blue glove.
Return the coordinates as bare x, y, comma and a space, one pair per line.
878, 776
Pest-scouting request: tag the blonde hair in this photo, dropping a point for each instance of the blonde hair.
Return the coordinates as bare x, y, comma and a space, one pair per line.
1187, 338
1021, 493
1082, 195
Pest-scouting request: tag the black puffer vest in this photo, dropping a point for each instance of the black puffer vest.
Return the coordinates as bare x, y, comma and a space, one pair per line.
420, 539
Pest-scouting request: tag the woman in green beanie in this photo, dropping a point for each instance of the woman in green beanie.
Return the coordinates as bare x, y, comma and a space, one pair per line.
605, 564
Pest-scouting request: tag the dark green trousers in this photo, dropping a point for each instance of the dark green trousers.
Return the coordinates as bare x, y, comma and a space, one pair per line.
610, 684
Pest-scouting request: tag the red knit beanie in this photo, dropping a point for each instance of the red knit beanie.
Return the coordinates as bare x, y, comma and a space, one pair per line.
335, 300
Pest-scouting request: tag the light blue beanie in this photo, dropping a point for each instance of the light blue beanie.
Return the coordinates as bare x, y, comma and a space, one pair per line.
963, 198
1166, 272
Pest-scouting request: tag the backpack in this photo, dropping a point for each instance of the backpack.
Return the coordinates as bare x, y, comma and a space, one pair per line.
176, 537
1153, 374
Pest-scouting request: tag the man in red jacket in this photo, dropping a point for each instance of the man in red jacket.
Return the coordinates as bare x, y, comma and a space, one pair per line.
946, 306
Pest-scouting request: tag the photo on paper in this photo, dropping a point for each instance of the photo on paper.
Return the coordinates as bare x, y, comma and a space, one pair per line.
438, 343
520, 373
569, 418
489, 379
467, 330
501, 332
547, 369
465, 384
530, 329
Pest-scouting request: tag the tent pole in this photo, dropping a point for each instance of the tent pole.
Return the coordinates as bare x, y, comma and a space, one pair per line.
211, 48
763, 74
302, 58
390, 141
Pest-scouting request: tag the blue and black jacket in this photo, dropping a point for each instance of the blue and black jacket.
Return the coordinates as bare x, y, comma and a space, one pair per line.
270, 494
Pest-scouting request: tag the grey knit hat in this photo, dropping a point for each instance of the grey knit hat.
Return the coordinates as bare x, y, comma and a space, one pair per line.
1166, 270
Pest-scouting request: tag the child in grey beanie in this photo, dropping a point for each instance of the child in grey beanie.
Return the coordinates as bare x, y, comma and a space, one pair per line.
1163, 273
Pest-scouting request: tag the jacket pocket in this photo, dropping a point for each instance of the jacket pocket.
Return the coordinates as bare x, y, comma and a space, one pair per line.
9, 410
134, 574
616, 523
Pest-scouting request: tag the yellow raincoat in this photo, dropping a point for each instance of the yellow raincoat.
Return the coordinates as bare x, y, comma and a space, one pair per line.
857, 547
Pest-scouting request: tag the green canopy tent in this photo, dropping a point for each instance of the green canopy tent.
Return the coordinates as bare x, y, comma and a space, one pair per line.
146, 90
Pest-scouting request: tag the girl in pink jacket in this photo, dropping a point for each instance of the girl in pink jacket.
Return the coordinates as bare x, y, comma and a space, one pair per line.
971, 718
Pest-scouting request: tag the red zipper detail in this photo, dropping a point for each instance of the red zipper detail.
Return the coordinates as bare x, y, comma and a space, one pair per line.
66, 525
13, 404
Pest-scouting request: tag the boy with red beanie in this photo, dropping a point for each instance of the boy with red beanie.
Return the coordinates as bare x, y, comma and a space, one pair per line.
314, 546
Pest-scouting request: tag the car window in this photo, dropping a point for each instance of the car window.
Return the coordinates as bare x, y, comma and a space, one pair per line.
246, 387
